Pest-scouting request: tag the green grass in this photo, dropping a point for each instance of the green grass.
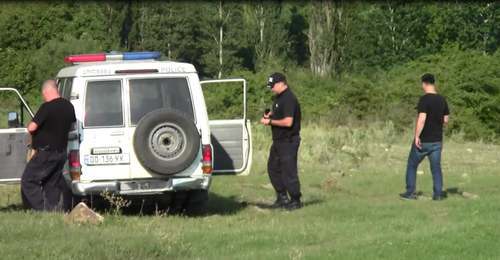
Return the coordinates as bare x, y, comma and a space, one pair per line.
350, 178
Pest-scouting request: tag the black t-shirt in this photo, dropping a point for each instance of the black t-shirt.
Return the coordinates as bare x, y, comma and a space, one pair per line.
54, 121
286, 105
435, 106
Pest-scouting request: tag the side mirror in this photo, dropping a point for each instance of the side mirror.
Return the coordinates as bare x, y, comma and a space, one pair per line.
13, 120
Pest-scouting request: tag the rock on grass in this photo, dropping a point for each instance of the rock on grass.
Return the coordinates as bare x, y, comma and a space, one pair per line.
82, 214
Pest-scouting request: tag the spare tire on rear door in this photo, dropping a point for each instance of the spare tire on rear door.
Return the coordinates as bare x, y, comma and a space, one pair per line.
166, 141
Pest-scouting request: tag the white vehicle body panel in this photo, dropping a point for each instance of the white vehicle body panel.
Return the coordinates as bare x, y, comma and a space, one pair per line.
231, 139
119, 169
13, 148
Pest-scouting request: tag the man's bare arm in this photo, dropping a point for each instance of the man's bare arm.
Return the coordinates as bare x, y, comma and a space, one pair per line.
32, 127
419, 126
285, 122
446, 119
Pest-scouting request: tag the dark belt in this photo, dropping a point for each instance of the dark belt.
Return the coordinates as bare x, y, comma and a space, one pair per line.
292, 139
49, 149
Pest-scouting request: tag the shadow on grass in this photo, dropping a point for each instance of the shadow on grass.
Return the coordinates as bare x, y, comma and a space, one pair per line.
449, 192
167, 204
12, 207
453, 191
164, 205
269, 205
219, 205
458, 192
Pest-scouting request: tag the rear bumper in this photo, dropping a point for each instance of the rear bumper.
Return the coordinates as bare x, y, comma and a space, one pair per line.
140, 187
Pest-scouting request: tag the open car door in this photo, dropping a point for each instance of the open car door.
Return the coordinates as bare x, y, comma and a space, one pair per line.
231, 138
14, 136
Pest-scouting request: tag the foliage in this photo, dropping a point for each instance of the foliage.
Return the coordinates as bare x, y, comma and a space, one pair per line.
349, 62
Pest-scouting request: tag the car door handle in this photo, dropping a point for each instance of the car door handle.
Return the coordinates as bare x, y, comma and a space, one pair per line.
117, 133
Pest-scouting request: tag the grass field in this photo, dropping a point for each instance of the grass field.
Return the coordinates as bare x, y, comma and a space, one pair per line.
350, 178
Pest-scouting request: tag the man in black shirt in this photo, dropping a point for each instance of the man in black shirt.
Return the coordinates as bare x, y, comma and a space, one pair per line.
42, 182
284, 119
433, 113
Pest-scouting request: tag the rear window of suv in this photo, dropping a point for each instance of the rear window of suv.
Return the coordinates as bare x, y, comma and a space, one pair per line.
147, 95
103, 104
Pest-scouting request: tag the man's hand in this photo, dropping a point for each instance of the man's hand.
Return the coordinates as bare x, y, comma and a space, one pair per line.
267, 115
418, 143
265, 121
419, 126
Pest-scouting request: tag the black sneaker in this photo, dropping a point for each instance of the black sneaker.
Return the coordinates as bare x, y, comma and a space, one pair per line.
281, 201
408, 196
293, 205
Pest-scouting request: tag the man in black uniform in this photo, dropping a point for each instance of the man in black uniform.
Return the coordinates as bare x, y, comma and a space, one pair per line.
433, 113
42, 183
284, 119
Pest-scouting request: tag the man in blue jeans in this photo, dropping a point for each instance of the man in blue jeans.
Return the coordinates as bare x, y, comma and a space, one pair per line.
433, 113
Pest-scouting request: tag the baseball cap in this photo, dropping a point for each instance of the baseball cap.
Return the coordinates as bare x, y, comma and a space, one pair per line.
275, 78
428, 78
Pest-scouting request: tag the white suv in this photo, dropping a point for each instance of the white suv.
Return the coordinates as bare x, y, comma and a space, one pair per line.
142, 129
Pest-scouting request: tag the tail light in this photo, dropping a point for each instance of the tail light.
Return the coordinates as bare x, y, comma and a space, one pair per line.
75, 168
207, 159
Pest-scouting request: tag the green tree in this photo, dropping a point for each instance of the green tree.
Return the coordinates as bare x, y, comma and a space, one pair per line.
328, 37
267, 34
221, 38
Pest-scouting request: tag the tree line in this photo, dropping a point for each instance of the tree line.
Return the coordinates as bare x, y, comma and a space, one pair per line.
346, 48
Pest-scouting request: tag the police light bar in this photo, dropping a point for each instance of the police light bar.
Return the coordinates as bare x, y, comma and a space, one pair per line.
97, 57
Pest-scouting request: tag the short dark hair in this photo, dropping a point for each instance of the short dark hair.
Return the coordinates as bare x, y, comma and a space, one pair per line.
428, 79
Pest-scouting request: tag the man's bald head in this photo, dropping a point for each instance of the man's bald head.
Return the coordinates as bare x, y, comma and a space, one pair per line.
49, 84
49, 90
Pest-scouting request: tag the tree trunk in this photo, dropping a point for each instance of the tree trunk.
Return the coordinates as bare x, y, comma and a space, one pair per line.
486, 19
169, 34
262, 22
221, 38
142, 29
392, 28
261, 46
327, 37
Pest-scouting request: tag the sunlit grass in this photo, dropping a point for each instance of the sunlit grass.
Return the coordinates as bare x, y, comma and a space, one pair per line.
350, 177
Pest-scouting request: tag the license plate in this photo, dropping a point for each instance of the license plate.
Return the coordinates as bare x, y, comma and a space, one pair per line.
143, 185
105, 159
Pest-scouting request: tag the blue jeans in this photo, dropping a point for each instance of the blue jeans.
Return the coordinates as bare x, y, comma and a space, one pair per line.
433, 152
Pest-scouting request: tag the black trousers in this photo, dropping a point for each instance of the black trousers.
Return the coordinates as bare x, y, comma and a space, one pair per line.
42, 183
282, 167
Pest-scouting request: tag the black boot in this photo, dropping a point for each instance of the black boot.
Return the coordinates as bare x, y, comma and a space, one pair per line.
281, 201
294, 204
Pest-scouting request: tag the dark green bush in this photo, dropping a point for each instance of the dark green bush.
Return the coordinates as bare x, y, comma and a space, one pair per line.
469, 80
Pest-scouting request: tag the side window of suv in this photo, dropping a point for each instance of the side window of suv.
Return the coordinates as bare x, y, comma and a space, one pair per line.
67, 88
60, 85
65, 85
103, 104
